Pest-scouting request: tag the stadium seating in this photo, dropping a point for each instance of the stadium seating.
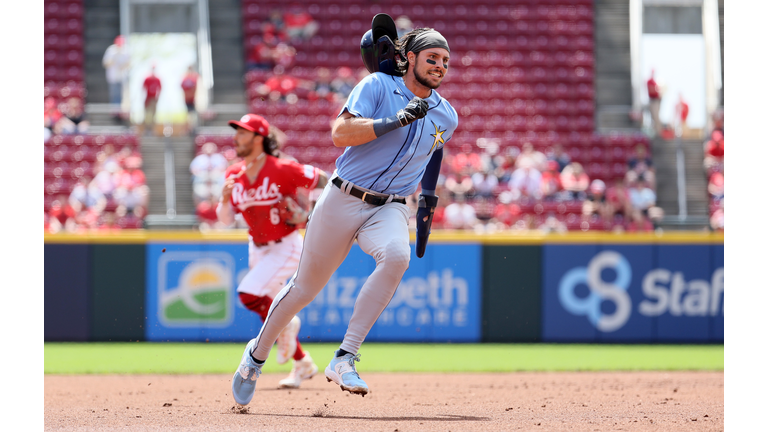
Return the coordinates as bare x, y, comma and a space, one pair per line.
64, 74
69, 159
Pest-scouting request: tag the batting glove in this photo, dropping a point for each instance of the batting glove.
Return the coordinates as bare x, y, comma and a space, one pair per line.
416, 109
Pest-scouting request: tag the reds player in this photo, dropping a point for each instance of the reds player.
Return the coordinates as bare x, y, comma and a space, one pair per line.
260, 188
393, 128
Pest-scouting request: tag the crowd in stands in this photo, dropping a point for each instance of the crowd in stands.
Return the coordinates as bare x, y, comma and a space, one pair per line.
91, 184
541, 189
64, 116
714, 167
271, 59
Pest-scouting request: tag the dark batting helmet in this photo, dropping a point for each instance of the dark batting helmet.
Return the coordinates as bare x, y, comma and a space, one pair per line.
377, 46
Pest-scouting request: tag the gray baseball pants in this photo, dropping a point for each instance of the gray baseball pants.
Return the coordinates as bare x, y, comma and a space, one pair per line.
336, 221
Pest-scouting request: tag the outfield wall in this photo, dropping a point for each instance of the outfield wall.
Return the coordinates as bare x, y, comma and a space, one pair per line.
591, 288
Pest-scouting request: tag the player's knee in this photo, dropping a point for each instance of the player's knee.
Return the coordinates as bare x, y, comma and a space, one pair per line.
397, 256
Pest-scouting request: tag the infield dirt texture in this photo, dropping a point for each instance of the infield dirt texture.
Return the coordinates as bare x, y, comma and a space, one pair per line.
555, 401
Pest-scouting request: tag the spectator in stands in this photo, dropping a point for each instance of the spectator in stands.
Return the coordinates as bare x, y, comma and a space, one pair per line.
280, 85
716, 186
506, 165
553, 225
275, 26
717, 218
505, 215
460, 214
61, 214
343, 83
575, 181
597, 202
484, 184
484, 211
557, 154
52, 114
152, 87
525, 181
82, 196
284, 54
714, 151
323, 88
207, 170
262, 56
299, 24
189, 87
654, 102
551, 186
206, 214
641, 166
403, 25
618, 197
465, 161
116, 62
75, 114
529, 156
645, 213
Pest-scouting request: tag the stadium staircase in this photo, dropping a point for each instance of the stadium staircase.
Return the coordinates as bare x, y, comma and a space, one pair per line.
156, 153
667, 191
613, 97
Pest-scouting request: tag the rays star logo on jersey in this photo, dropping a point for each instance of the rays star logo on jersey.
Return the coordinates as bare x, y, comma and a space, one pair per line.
438, 136
195, 288
265, 194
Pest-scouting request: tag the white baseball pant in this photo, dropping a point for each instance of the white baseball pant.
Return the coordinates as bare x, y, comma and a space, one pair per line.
271, 265
336, 221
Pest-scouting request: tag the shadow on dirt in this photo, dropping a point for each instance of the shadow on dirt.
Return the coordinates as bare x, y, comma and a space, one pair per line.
438, 418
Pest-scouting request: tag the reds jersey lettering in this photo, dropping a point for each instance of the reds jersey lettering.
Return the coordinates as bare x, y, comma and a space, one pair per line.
265, 194
259, 201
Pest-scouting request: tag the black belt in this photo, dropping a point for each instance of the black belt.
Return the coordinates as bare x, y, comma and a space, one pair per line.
267, 243
367, 196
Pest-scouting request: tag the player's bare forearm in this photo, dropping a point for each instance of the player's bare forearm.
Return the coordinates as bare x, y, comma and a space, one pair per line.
350, 131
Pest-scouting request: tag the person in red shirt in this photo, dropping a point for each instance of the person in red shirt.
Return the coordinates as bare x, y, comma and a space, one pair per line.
299, 24
654, 101
262, 54
189, 86
152, 87
263, 189
551, 185
682, 109
714, 151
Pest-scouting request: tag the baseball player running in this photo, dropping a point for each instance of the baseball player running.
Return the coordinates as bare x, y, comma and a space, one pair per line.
393, 128
260, 188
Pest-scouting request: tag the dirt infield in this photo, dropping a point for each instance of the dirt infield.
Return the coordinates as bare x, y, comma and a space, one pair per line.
635, 401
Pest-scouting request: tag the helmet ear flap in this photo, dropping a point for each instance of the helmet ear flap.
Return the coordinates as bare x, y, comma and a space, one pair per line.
380, 55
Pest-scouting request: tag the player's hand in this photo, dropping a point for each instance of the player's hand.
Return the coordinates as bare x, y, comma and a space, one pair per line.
291, 212
226, 191
416, 109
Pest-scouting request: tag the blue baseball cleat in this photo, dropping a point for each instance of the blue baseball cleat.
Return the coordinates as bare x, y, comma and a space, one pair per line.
341, 370
244, 380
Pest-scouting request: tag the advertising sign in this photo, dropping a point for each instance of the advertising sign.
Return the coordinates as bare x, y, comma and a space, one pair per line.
632, 293
191, 296
191, 293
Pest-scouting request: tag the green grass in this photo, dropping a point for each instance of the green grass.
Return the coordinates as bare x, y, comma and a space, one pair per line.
215, 358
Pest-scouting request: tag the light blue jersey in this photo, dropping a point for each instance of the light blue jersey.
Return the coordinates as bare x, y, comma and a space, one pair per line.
394, 162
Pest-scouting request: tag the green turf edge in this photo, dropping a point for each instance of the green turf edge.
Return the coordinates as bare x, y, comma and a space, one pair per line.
215, 358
